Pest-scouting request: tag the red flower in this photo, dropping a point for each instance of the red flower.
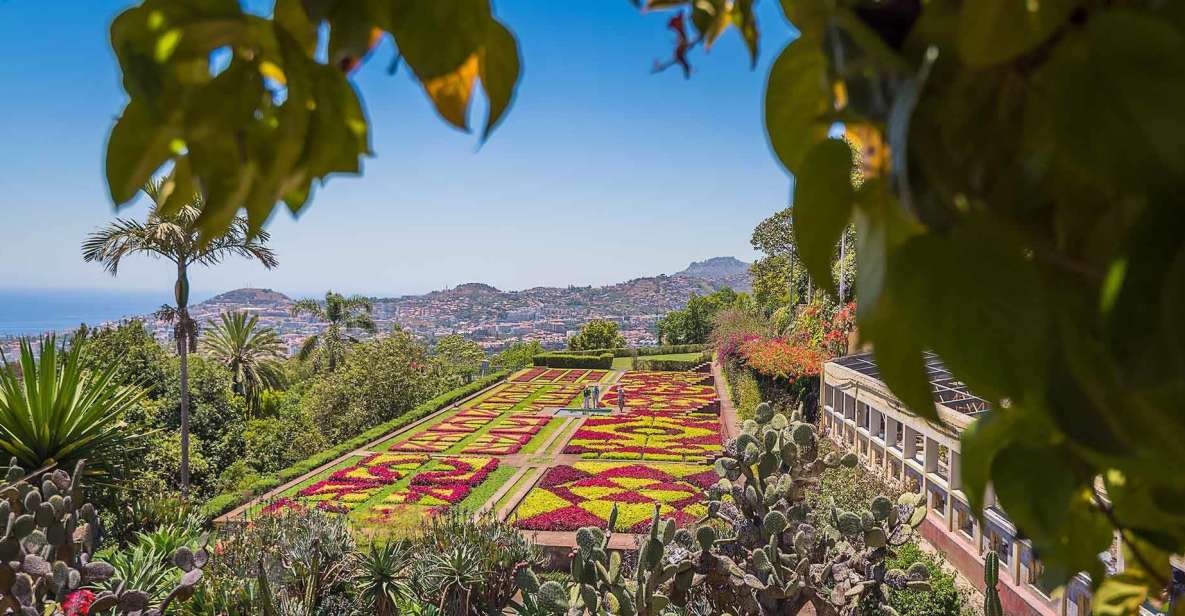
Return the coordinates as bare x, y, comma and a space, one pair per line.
78, 603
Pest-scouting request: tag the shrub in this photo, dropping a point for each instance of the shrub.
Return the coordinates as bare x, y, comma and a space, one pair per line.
672, 365
603, 361
944, 598
669, 349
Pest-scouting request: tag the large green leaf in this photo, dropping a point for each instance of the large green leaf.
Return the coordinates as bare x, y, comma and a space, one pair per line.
1000, 30
138, 146
962, 294
1049, 496
499, 72
798, 101
1136, 64
823, 199
436, 38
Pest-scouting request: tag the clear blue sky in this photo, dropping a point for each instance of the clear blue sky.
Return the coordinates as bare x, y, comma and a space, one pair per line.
600, 173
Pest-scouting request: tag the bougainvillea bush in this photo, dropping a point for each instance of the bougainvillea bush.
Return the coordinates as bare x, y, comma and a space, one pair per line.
783, 359
583, 494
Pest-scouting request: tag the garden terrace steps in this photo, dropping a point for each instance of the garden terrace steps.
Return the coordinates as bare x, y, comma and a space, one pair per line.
517, 497
729, 421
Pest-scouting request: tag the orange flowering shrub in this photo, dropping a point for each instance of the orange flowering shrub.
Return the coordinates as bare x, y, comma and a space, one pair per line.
780, 358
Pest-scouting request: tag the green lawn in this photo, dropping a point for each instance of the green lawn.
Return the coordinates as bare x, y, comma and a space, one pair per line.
627, 363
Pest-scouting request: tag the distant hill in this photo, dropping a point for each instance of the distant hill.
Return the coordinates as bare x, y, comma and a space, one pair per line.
717, 268
250, 297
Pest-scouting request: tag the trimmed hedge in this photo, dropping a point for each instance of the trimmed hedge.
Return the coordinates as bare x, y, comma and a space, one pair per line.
603, 361
670, 365
225, 502
670, 349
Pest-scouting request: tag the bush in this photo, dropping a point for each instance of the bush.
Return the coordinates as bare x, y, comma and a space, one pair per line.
670, 349
225, 502
603, 361
673, 365
945, 599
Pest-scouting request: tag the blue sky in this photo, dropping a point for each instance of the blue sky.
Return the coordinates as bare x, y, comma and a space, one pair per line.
601, 171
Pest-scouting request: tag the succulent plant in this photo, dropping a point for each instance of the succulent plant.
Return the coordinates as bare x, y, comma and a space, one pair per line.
600, 585
45, 551
991, 594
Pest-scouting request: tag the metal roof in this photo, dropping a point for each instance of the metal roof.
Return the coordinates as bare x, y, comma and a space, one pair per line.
948, 390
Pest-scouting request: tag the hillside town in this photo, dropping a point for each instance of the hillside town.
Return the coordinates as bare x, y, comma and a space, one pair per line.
493, 318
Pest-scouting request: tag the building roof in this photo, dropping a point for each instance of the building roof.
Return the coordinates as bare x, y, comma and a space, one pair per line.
948, 390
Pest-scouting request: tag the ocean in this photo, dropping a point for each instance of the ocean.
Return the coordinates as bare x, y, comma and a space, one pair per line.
29, 312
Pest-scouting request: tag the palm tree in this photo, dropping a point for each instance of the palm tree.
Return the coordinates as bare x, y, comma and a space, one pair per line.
173, 235
54, 412
251, 353
341, 314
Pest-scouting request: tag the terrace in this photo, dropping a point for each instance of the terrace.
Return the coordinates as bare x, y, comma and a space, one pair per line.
511, 449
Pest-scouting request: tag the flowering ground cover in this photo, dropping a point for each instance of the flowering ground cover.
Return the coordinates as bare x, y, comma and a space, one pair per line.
647, 436
676, 397
379, 488
501, 422
558, 375
569, 497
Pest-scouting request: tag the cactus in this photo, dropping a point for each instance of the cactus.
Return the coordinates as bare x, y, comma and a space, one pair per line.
991, 575
771, 561
600, 585
45, 551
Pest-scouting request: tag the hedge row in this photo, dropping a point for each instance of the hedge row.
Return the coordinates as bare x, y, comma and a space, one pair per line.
225, 502
670, 349
668, 365
583, 360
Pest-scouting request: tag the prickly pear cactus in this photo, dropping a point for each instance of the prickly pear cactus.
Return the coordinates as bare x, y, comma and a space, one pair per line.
777, 559
49, 535
600, 584
991, 594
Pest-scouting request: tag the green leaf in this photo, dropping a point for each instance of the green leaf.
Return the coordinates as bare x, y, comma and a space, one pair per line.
1144, 576
1133, 61
139, 144
964, 293
823, 199
746, 22
499, 72
1049, 496
798, 101
998, 31
291, 16
979, 444
436, 38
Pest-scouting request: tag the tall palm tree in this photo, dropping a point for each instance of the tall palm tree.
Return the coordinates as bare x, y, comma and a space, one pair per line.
173, 235
252, 354
341, 315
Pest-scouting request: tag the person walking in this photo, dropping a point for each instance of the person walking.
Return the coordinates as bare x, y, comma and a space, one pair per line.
586, 398
621, 398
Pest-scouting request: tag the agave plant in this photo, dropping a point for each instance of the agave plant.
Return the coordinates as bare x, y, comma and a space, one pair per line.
382, 576
52, 411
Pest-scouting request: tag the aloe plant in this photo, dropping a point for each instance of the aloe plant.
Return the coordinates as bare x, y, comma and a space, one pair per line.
52, 411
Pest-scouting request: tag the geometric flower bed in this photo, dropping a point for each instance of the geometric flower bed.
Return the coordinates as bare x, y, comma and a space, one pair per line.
657, 379
346, 488
647, 436
675, 397
432, 491
430, 441
556, 396
493, 444
558, 375
569, 497
384, 485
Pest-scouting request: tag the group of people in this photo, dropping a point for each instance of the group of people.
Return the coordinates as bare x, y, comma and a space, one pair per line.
592, 395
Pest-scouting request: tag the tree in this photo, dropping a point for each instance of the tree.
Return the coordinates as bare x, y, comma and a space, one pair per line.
517, 355
597, 334
56, 413
340, 314
986, 213
459, 356
380, 380
693, 324
130, 345
251, 354
171, 232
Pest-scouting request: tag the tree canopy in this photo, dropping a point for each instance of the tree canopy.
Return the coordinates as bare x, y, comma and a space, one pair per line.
597, 334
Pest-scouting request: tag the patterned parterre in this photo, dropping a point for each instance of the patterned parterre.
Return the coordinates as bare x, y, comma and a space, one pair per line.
647, 436
569, 497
